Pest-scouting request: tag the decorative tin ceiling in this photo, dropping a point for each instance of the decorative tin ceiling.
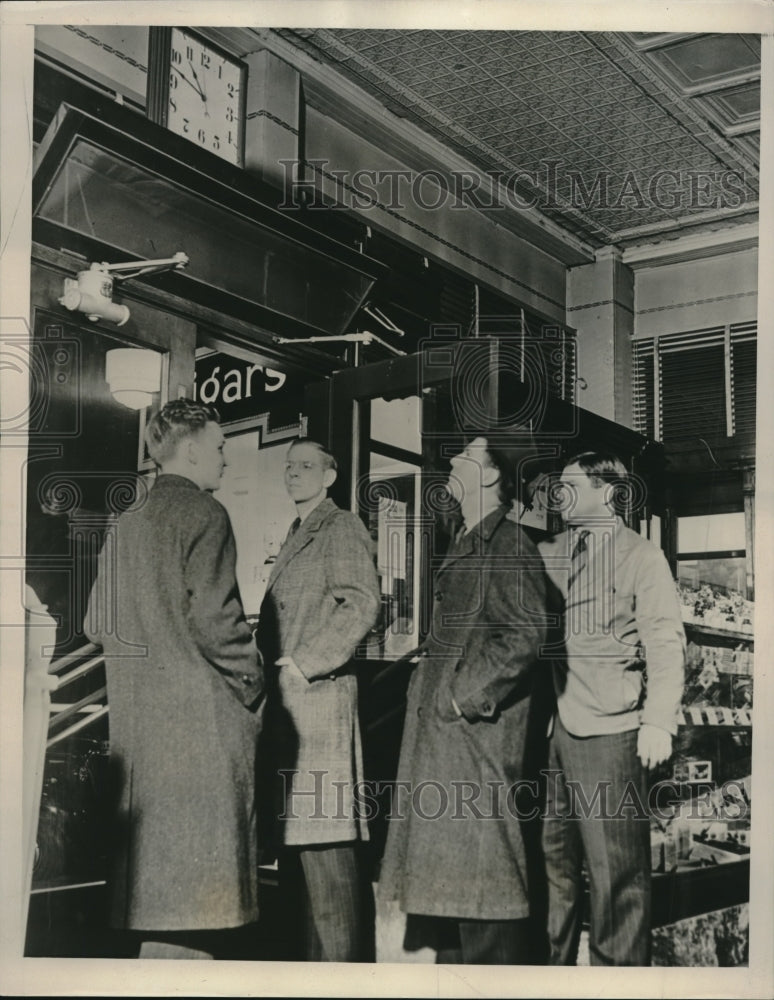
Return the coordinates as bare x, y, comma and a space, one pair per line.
617, 137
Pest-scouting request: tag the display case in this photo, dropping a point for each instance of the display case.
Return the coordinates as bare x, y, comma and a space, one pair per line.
701, 801
702, 805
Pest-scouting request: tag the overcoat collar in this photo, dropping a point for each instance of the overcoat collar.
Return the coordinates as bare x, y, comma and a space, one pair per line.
171, 481
302, 537
474, 540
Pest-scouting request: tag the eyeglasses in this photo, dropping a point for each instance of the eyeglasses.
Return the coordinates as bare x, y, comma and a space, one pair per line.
306, 464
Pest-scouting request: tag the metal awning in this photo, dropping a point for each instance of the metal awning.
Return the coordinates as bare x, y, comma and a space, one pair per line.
114, 186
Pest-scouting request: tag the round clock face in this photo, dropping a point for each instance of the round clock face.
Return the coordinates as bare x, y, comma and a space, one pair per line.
205, 96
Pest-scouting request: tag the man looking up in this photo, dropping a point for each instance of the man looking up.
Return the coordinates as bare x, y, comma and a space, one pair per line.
618, 692
456, 858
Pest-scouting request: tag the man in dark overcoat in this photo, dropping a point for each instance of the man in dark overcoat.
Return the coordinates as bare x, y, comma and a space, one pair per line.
322, 598
184, 686
455, 847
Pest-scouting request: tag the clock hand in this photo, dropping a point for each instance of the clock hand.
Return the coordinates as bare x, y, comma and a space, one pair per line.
194, 86
201, 92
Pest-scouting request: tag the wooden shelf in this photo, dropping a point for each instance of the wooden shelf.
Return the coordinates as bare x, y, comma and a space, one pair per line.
688, 892
719, 633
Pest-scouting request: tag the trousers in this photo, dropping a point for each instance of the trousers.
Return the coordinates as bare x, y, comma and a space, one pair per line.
486, 942
596, 813
327, 884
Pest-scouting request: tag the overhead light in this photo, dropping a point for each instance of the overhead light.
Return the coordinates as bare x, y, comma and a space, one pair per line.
134, 375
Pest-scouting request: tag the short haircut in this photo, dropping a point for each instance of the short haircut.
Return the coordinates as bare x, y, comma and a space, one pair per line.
601, 467
328, 460
179, 419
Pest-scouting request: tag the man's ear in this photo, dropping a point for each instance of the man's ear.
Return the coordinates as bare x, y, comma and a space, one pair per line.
490, 475
192, 450
329, 478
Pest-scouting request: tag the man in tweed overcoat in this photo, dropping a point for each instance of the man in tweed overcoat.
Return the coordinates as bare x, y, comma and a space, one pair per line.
456, 853
184, 684
321, 600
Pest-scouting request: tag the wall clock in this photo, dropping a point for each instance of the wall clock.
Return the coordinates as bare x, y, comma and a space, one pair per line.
197, 90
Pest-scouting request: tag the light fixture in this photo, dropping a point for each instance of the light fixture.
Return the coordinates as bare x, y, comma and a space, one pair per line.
134, 375
92, 291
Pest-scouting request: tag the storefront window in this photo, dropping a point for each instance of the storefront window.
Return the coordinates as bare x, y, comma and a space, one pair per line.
390, 502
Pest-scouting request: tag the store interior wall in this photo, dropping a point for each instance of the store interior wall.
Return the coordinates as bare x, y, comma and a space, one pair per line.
696, 294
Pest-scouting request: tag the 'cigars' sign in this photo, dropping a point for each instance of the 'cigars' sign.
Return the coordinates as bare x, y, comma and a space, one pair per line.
249, 393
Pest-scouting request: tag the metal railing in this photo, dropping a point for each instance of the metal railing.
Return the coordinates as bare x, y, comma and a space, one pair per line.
46, 721
86, 706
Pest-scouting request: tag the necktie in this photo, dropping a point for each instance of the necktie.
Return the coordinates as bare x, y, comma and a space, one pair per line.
294, 527
577, 560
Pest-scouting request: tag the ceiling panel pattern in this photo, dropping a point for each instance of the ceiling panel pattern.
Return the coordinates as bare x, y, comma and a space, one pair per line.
629, 122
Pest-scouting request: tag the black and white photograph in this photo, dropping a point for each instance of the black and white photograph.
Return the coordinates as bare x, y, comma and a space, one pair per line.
387, 481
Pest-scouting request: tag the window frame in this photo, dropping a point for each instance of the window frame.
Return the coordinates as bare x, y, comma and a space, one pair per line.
647, 375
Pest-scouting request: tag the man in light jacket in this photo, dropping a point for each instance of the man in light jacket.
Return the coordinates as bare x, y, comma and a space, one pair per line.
618, 691
321, 600
184, 686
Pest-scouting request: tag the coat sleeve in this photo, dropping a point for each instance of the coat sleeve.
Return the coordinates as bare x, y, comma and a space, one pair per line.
352, 588
661, 631
504, 643
215, 614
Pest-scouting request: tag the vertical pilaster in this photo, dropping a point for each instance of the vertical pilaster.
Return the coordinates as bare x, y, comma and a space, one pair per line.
600, 305
272, 117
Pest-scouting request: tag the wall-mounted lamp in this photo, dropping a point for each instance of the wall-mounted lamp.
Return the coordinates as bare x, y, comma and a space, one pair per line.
92, 291
133, 375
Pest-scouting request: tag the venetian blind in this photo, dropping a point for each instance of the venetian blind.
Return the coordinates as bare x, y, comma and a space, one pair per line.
696, 385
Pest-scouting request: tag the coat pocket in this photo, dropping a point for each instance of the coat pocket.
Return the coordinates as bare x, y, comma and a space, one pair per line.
444, 706
617, 692
631, 689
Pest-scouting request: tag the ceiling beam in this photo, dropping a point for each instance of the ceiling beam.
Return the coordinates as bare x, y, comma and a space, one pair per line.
692, 246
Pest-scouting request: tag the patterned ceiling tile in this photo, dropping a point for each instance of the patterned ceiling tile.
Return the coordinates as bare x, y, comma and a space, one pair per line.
510, 101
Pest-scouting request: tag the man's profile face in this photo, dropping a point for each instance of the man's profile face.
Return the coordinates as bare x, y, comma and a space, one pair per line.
208, 444
306, 475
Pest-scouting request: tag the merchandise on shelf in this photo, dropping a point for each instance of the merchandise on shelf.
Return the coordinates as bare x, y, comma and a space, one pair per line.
707, 605
692, 770
708, 828
718, 677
